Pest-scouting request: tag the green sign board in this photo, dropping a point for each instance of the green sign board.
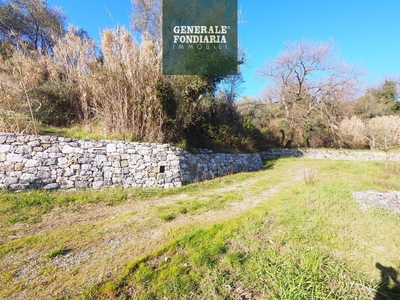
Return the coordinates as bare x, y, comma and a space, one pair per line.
200, 37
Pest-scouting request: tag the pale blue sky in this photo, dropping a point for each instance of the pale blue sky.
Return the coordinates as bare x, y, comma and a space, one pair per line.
367, 32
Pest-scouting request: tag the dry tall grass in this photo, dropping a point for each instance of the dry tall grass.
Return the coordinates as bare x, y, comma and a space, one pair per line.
118, 87
377, 133
353, 131
18, 77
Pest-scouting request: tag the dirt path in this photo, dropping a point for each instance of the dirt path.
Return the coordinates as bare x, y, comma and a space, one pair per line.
103, 239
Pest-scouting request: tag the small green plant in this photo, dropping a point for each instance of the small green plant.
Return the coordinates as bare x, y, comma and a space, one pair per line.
58, 252
167, 217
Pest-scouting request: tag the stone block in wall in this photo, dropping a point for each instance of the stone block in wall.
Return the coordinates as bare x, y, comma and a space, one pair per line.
45, 144
12, 157
85, 160
81, 184
27, 178
68, 172
85, 144
86, 167
34, 143
117, 180
150, 182
108, 175
19, 166
111, 148
54, 149
128, 181
16, 174
131, 151
97, 184
143, 151
5, 148
98, 174
7, 167
43, 174
53, 155
116, 164
67, 149
67, 184
9, 180
30, 163
85, 173
98, 151
52, 186
134, 159
62, 161
141, 166
19, 187
74, 167
117, 171
138, 175
100, 160
39, 154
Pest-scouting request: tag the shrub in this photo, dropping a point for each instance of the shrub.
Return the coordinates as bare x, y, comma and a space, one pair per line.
384, 132
353, 132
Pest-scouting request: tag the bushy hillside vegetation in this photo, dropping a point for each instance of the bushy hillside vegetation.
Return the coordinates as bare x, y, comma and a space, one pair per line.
51, 75
116, 88
368, 122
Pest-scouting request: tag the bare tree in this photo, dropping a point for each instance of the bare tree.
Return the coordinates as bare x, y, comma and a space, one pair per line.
309, 80
146, 18
31, 21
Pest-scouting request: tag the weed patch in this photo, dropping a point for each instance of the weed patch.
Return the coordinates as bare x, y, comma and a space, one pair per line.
58, 252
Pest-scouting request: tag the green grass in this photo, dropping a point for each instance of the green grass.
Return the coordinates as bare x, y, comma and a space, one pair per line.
310, 241
79, 132
196, 206
307, 240
57, 252
28, 206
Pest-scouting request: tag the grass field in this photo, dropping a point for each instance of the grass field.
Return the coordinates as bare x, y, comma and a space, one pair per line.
290, 231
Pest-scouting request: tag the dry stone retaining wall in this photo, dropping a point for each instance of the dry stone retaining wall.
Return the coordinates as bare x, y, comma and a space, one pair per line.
28, 161
199, 167
329, 154
50, 162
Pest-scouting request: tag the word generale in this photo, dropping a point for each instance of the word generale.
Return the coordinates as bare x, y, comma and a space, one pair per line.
200, 34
